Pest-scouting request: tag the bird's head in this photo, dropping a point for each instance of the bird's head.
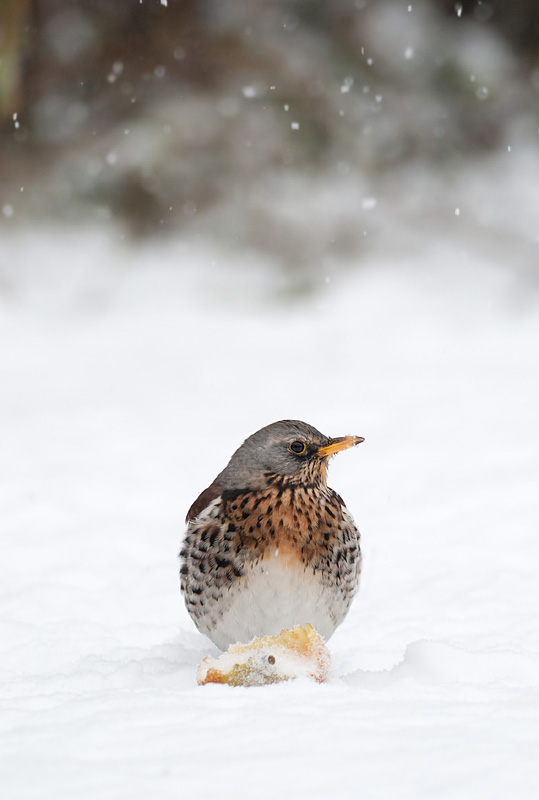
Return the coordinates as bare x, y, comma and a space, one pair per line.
290, 449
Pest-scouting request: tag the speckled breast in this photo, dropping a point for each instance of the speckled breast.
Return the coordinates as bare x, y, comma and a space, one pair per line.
256, 563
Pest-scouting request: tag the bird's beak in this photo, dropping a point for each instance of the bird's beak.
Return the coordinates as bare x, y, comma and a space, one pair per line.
336, 445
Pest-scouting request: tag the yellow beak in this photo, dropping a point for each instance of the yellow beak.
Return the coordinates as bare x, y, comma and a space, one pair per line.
336, 445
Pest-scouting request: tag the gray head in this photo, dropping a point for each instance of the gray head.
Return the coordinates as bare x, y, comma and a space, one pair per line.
289, 448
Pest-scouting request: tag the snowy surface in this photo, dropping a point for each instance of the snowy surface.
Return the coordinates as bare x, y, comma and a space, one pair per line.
129, 375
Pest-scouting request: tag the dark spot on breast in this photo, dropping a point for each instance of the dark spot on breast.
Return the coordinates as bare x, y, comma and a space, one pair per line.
233, 494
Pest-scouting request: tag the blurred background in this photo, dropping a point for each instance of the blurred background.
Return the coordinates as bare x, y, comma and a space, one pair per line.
304, 130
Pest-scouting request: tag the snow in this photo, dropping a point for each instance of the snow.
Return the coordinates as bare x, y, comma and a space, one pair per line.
129, 376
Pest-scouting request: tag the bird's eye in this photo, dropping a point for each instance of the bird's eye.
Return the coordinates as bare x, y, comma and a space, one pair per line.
271, 659
297, 447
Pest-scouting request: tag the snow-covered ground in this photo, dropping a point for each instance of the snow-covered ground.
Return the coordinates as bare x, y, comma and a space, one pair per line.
128, 376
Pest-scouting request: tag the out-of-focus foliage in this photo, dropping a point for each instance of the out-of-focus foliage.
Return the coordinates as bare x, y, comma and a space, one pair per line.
198, 113
516, 20
13, 21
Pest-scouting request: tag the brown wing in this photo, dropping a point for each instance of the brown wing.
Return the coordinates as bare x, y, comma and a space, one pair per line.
203, 500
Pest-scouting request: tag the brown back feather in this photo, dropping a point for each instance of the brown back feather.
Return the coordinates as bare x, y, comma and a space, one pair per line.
204, 499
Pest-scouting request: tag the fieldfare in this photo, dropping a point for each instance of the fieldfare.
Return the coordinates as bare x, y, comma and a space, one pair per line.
268, 544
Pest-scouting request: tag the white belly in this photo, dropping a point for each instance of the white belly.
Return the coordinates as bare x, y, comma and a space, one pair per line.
274, 595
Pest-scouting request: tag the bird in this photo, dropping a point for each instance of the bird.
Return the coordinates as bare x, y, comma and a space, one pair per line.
268, 544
